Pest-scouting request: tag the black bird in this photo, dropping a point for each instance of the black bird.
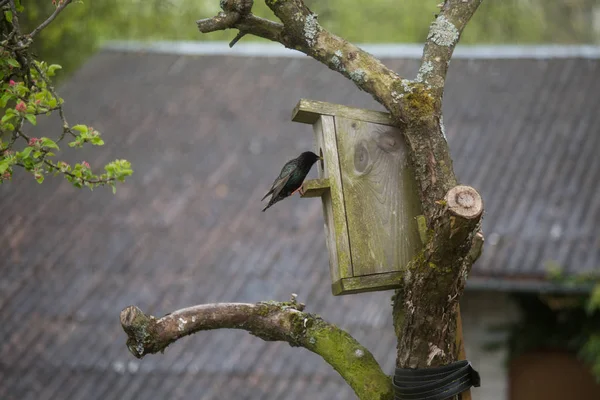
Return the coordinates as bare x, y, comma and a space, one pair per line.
291, 177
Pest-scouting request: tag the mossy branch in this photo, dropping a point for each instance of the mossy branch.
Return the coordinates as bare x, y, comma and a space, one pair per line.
271, 321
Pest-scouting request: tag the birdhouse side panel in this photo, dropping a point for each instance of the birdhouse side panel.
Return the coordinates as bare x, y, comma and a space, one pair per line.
336, 230
380, 196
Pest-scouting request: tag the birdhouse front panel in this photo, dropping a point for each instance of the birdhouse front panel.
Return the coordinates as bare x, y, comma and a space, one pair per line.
380, 198
369, 195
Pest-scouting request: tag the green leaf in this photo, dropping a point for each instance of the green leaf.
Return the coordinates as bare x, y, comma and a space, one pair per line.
12, 62
49, 143
25, 153
53, 68
8, 116
5, 99
40, 178
76, 143
31, 118
8, 15
80, 128
96, 141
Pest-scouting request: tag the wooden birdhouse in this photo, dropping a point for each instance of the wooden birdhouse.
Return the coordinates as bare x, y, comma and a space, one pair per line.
369, 194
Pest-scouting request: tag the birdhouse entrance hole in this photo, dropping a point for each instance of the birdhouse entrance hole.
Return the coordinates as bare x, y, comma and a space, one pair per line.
369, 195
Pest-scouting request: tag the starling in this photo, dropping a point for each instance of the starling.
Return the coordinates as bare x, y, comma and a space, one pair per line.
291, 177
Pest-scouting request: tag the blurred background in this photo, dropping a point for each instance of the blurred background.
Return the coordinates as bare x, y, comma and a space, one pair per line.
207, 134
88, 25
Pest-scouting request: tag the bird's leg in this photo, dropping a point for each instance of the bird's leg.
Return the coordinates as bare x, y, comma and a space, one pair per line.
299, 190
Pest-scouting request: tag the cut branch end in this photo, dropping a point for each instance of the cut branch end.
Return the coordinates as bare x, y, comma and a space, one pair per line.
137, 325
464, 201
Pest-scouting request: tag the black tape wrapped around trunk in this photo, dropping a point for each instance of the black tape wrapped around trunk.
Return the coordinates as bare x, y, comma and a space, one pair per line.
438, 383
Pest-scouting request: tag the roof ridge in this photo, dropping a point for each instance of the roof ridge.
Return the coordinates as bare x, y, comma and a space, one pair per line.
383, 50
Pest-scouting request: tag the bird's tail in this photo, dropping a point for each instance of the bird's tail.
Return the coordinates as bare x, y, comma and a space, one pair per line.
268, 205
265, 196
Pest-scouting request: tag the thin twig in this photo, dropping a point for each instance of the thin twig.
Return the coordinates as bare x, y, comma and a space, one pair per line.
59, 107
46, 111
57, 168
237, 38
51, 18
15, 20
81, 179
15, 135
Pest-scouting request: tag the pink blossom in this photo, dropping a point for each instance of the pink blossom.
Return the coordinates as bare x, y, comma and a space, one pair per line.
12, 83
33, 141
85, 164
21, 107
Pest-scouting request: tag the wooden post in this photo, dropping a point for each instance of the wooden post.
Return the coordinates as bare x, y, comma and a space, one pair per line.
462, 354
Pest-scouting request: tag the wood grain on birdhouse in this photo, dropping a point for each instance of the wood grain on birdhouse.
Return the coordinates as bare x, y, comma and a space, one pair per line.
379, 194
369, 195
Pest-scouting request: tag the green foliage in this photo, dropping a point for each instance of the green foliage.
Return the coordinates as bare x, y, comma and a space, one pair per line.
591, 353
593, 303
74, 35
591, 349
376, 21
589, 310
26, 93
569, 322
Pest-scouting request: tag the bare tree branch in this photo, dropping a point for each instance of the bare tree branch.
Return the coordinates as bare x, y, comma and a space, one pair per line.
219, 22
271, 321
251, 24
51, 18
443, 36
301, 31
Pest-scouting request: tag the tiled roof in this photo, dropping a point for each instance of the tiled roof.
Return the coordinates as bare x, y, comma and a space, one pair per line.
206, 136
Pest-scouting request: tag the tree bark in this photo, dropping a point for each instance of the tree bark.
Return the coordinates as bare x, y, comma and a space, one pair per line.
425, 310
270, 321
